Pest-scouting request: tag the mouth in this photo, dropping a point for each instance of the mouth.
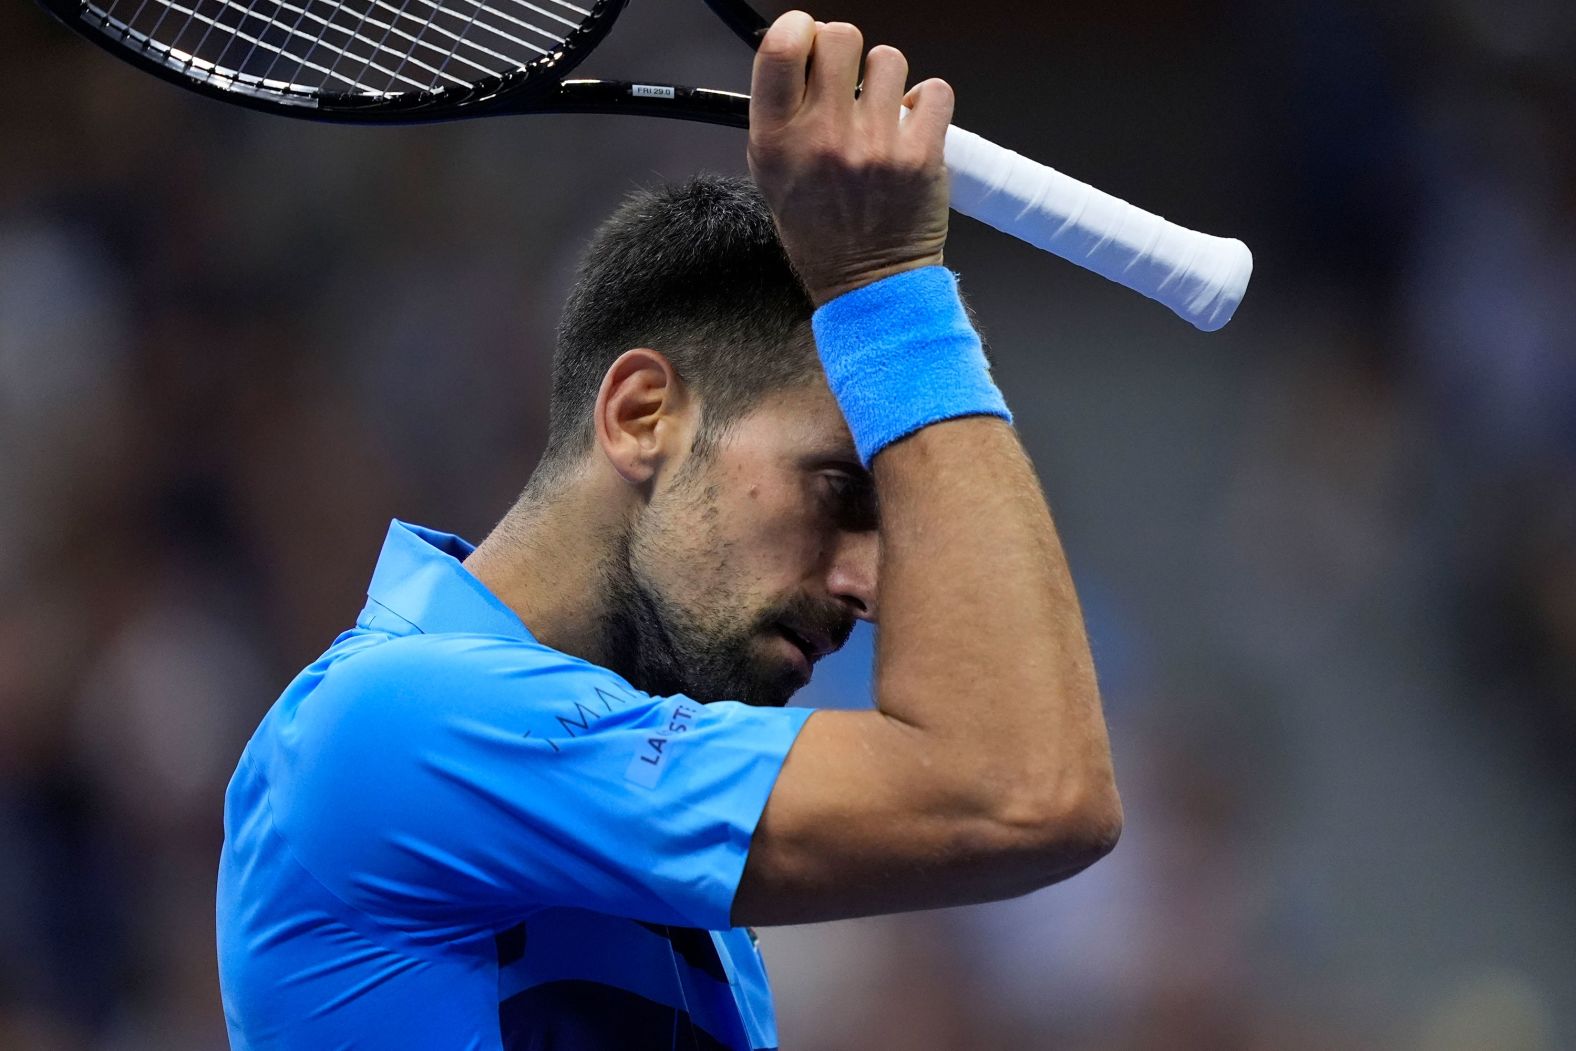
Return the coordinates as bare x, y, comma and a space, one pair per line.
813, 645
798, 653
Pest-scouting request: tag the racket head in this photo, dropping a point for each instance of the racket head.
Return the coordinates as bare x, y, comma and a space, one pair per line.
352, 61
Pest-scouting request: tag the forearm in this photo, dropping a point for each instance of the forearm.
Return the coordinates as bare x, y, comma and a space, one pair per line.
982, 646
981, 651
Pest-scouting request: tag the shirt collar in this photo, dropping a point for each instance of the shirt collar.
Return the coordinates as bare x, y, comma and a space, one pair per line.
419, 579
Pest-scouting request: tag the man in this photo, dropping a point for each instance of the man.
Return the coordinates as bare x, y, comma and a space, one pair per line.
521, 805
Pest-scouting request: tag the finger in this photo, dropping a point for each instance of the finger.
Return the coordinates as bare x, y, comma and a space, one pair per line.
834, 66
930, 111
886, 72
778, 83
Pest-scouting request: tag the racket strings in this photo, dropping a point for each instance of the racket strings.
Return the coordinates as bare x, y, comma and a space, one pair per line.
296, 50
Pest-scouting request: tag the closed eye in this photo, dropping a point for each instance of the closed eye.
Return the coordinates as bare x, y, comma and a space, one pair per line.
851, 497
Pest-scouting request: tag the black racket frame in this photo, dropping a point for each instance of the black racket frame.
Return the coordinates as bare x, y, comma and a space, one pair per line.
539, 87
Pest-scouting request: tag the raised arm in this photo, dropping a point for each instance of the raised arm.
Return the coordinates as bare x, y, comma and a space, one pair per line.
985, 771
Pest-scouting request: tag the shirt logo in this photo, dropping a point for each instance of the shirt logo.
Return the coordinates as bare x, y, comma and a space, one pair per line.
650, 758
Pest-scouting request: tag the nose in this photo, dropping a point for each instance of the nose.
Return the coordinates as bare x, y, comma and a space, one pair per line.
852, 578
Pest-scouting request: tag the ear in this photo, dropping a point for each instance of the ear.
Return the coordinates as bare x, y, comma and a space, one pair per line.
644, 415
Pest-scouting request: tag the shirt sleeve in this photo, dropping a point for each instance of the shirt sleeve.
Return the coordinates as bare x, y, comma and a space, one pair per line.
444, 783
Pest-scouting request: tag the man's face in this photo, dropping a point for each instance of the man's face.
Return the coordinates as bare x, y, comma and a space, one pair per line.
752, 562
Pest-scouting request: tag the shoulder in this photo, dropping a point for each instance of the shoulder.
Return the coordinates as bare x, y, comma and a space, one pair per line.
379, 719
406, 695
422, 668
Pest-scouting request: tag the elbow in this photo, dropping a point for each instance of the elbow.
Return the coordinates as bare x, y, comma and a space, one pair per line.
1098, 827
1064, 835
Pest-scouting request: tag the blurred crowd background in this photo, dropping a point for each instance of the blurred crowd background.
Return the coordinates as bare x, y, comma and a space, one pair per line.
1328, 554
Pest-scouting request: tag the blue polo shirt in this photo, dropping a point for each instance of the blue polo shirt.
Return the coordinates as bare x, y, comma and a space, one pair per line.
446, 835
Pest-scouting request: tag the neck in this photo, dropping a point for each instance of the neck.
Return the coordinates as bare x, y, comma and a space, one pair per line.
547, 561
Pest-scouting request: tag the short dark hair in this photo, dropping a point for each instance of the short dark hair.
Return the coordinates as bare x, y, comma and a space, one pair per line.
694, 270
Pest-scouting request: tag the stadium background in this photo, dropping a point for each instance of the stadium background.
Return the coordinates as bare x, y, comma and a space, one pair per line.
1329, 554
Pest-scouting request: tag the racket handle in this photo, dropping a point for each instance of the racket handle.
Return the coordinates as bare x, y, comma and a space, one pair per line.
1200, 277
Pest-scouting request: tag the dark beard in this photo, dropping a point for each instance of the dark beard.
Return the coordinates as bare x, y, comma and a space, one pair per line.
662, 650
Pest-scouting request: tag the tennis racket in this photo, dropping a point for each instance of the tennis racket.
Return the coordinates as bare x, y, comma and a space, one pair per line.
414, 61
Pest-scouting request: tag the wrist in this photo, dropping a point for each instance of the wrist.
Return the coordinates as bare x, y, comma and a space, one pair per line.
901, 354
827, 288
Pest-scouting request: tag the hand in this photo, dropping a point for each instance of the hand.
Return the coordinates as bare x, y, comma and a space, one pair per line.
858, 193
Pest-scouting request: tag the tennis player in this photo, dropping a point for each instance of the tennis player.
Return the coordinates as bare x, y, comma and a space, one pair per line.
535, 797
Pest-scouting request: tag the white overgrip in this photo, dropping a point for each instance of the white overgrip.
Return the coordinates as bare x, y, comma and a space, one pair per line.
1200, 277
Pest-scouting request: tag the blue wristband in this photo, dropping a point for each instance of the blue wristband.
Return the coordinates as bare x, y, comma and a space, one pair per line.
900, 354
